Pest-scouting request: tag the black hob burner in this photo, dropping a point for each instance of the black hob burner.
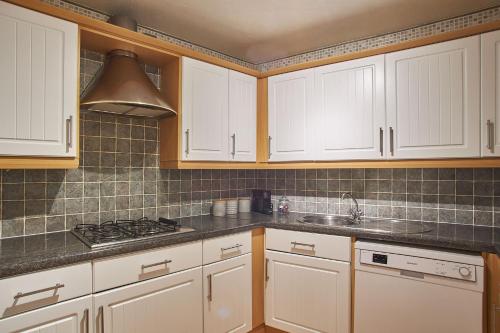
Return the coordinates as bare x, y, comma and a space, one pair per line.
120, 231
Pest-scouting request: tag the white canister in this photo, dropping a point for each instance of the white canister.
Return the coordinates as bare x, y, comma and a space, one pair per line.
219, 208
232, 206
244, 205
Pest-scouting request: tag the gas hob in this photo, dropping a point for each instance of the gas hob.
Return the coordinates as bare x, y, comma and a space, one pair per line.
121, 231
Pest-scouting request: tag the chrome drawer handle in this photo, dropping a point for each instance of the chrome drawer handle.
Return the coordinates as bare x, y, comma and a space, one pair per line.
164, 262
234, 144
69, 133
101, 317
86, 320
391, 140
20, 294
209, 296
237, 246
381, 143
267, 269
269, 147
491, 135
295, 244
187, 142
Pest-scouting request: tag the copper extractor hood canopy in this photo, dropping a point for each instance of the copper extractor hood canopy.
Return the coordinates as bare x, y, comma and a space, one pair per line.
123, 87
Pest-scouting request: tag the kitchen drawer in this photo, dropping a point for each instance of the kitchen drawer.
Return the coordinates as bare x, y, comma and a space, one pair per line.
31, 291
317, 245
225, 247
122, 270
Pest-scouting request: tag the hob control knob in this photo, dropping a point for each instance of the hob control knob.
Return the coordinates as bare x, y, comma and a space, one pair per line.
464, 271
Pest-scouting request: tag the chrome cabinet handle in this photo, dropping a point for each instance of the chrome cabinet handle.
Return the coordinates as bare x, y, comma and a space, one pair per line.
267, 269
269, 147
187, 141
209, 296
381, 141
86, 320
20, 294
234, 144
69, 133
491, 134
391, 140
236, 246
295, 244
101, 318
164, 262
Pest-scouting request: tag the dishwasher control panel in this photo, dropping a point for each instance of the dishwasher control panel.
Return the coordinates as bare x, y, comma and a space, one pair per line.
417, 264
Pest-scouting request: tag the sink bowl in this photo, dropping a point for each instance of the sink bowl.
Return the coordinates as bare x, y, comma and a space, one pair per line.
327, 220
389, 226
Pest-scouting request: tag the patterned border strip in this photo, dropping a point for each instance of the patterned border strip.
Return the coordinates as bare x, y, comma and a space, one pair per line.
485, 16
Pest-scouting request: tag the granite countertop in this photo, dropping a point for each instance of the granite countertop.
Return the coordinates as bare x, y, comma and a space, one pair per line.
32, 253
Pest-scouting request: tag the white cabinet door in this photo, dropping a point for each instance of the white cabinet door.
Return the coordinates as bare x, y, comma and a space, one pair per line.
166, 304
433, 105
306, 294
204, 111
242, 116
38, 84
350, 103
291, 118
72, 316
490, 93
228, 295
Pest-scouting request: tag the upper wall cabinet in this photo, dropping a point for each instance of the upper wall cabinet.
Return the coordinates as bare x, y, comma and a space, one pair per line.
350, 101
291, 118
204, 111
490, 93
433, 100
38, 84
242, 116
218, 113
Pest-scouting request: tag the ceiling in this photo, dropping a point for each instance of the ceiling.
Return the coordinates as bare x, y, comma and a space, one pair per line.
258, 31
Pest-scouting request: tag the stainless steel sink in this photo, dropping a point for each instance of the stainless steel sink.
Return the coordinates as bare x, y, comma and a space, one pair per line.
389, 226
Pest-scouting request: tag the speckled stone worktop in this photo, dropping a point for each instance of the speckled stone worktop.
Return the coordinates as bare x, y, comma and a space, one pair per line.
21, 255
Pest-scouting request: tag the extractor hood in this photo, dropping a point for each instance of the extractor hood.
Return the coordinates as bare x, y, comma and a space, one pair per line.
123, 87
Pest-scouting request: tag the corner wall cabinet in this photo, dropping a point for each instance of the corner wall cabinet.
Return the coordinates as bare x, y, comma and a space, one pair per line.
433, 105
490, 93
350, 102
38, 84
218, 113
291, 119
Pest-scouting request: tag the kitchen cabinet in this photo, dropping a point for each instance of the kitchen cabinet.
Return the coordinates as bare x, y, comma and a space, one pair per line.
307, 294
38, 85
242, 116
307, 282
204, 111
72, 316
218, 113
490, 93
433, 104
290, 115
228, 295
170, 303
350, 101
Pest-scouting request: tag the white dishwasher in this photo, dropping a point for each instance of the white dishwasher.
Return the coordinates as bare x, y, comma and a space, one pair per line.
415, 290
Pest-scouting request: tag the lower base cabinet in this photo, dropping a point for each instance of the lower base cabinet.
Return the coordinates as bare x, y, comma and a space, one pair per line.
306, 294
166, 304
228, 295
73, 316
